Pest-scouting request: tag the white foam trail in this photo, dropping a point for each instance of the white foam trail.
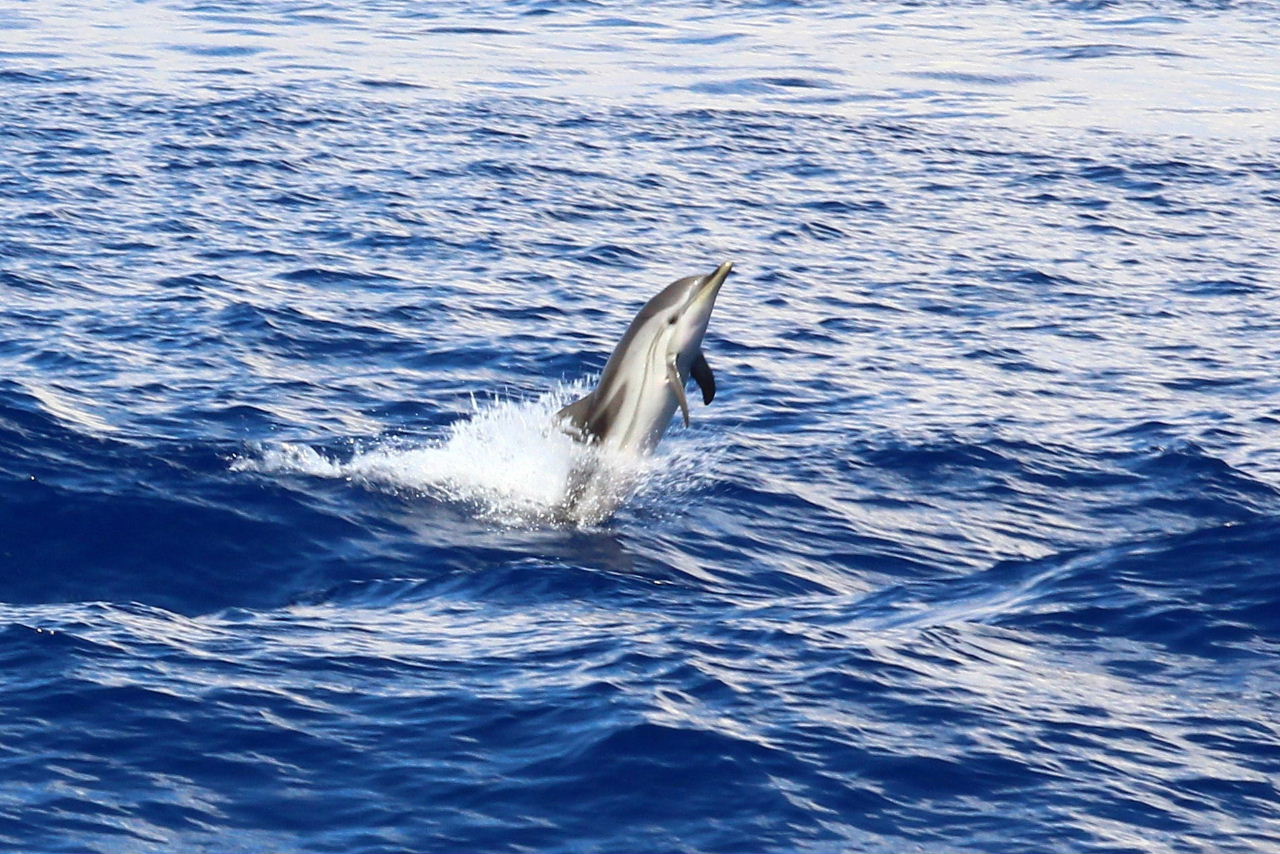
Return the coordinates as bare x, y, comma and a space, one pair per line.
510, 463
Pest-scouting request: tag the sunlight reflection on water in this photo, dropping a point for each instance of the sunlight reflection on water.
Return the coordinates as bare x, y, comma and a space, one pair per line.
1201, 72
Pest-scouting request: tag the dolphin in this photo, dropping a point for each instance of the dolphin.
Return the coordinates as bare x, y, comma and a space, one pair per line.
643, 382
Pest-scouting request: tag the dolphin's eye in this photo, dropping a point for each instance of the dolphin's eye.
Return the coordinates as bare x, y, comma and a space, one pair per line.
671, 321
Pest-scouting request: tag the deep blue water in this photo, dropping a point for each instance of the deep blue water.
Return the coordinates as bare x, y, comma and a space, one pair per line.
977, 549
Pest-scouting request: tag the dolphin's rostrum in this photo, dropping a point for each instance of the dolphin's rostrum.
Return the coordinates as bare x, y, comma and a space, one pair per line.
643, 381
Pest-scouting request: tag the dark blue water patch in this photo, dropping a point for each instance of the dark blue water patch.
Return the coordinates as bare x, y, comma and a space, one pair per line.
390, 84
627, 23
184, 162
677, 769
295, 200
59, 362
25, 282
609, 255
1152, 434
935, 462
1038, 278
42, 652
797, 82
44, 76
227, 253
807, 231
1228, 608
1214, 383
1143, 20
410, 246
1069, 53
1217, 288
225, 72
558, 576
758, 85
220, 51
846, 206
1008, 359
1118, 176
496, 169
982, 79
160, 714
90, 546
305, 336
1184, 171
1165, 206
718, 38
196, 282
1102, 228
334, 278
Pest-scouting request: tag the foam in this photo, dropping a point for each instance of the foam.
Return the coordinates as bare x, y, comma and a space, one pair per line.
510, 464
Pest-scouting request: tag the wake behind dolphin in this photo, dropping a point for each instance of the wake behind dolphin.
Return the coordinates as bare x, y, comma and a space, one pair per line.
641, 387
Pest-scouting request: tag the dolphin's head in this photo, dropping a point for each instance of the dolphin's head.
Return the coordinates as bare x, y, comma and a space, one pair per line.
682, 310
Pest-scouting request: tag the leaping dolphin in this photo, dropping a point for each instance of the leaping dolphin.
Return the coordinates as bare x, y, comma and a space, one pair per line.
643, 381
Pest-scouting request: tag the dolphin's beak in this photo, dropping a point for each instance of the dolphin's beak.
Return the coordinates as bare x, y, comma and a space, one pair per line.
711, 286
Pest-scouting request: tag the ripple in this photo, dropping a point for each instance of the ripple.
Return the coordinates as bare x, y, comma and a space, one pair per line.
983, 79
1067, 53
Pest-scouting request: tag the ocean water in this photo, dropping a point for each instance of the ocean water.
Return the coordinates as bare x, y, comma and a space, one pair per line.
977, 548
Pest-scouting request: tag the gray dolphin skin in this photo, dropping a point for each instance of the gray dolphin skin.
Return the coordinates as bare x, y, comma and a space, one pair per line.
643, 382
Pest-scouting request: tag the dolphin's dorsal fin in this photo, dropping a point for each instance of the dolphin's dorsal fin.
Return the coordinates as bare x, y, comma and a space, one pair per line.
701, 373
575, 415
677, 388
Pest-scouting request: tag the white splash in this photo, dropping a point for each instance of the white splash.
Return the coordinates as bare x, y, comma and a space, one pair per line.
512, 464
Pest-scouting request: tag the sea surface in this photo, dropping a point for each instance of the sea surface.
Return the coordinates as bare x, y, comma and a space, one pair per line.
977, 549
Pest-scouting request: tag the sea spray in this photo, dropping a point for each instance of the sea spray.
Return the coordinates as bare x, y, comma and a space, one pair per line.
510, 462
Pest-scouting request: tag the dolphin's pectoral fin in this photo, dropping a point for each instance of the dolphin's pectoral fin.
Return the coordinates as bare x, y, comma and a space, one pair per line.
677, 387
701, 373
575, 415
